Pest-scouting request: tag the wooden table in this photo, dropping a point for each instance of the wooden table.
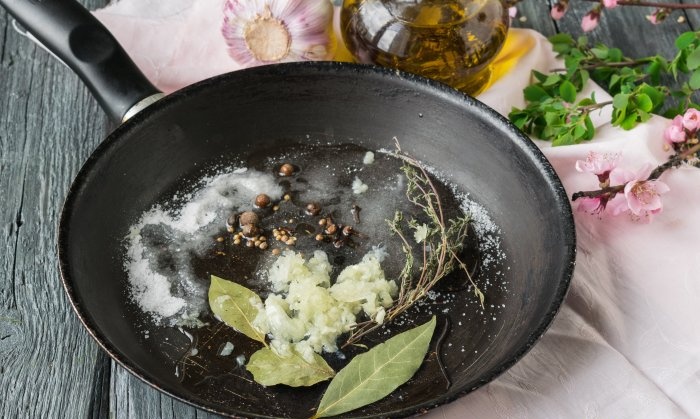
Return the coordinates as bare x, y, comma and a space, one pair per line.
49, 124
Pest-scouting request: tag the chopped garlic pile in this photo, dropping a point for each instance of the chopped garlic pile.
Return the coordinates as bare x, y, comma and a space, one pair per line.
307, 314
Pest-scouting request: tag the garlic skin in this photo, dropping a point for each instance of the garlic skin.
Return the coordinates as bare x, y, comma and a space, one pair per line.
259, 32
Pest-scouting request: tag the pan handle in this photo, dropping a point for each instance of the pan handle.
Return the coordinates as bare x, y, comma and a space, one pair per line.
73, 34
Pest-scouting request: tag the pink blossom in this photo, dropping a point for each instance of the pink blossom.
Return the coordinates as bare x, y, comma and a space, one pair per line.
658, 16
610, 4
642, 197
691, 120
512, 12
591, 205
599, 164
590, 21
675, 133
558, 11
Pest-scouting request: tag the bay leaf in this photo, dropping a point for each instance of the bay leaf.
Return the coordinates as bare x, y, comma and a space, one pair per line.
270, 369
236, 305
375, 374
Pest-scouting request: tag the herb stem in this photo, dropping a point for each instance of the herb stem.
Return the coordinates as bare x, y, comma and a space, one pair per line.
602, 64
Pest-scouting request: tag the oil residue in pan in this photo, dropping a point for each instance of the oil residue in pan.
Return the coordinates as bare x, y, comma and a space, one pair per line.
324, 175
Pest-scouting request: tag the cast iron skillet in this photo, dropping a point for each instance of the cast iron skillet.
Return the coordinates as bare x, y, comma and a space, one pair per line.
246, 112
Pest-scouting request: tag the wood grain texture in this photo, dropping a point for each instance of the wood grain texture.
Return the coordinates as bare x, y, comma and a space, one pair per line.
48, 126
49, 366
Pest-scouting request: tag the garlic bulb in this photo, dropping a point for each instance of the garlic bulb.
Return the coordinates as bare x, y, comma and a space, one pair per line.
272, 31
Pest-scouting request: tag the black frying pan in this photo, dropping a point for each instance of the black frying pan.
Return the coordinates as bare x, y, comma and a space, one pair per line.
247, 112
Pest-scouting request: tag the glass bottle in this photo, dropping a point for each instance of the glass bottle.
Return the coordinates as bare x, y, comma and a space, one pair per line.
452, 41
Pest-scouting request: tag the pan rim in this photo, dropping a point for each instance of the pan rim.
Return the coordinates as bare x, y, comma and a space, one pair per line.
562, 204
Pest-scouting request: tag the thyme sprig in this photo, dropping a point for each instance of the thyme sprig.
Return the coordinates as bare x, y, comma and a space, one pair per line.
441, 240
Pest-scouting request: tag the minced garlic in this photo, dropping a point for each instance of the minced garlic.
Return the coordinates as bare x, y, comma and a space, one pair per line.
307, 314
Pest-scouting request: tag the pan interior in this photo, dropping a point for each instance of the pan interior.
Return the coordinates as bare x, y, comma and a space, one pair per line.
238, 115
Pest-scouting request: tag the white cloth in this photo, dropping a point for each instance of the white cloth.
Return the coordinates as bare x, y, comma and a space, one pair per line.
626, 343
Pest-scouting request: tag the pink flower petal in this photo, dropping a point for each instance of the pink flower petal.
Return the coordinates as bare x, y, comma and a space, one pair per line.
589, 205
558, 11
690, 120
590, 21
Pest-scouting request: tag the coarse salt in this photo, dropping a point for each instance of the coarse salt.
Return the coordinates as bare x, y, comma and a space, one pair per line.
172, 292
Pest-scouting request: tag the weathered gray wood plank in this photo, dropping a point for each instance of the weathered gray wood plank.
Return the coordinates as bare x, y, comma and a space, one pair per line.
534, 14
49, 367
46, 359
131, 398
691, 16
626, 28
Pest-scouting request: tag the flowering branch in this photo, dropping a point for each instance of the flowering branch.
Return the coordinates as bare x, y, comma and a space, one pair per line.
639, 193
591, 19
674, 6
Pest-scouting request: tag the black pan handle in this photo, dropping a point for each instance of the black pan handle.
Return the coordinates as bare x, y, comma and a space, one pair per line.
68, 30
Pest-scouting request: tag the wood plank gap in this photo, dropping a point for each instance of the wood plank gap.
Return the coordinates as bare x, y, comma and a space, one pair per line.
99, 397
18, 225
7, 25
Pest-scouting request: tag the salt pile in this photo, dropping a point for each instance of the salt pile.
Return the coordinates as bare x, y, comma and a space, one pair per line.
160, 245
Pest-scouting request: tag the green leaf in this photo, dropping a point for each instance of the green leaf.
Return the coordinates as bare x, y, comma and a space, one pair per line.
270, 369
615, 55
539, 76
563, 38
654, 71
643, 102
590, 129
693, 60
694, 81
685, 40
629, 122
656, 96
582, 41
552, 80
375, 374
235, 305
621, 100
567, 91
552, 119
600, 51
535, 93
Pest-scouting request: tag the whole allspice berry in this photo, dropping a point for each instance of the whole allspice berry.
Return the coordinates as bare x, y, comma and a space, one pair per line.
331, 229
248, 217
313, 208
250, 230
262, 200
286, 170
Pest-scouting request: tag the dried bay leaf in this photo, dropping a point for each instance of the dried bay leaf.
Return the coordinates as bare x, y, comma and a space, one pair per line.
236, 305
375, 374
270, 369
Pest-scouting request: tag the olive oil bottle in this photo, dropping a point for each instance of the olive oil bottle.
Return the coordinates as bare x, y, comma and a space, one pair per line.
452, 41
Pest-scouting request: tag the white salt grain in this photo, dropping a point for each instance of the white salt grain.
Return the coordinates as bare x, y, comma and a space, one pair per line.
358, 187
227, 349
172, 292
240, 360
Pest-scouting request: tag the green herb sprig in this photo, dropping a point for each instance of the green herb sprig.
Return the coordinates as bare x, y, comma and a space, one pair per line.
441, 241
554, 114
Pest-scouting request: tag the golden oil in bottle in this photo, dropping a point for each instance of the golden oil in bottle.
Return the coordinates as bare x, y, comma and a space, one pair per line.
452, 41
